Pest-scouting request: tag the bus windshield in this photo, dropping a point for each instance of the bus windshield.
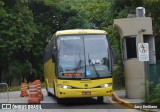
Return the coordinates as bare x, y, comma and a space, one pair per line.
83, 57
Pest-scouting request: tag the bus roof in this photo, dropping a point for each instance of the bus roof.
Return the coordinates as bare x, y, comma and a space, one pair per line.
80, 31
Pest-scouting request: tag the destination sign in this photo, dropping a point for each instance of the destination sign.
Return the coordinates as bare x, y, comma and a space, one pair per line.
72, 74
70, 38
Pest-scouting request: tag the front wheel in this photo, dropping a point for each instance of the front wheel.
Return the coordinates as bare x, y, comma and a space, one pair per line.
100, 99
48, 93
59, 100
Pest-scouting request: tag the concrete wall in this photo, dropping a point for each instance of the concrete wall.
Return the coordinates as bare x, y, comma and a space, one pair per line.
133, 26
134, 78
133, 68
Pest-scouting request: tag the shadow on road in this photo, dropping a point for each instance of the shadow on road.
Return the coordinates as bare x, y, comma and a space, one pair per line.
80, 103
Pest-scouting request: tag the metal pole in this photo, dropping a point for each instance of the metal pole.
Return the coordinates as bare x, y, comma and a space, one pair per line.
147, 80
5, 90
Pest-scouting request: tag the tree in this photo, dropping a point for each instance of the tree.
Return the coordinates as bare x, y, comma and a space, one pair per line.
25, 25
17, 30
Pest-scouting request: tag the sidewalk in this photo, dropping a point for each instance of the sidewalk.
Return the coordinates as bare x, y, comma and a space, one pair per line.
120, 96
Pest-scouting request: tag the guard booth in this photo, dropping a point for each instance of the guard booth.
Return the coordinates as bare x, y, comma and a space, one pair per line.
136, 36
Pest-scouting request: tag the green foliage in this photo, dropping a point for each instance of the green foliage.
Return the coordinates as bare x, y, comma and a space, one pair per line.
17, 32
118, 77
114, 40
25, 25
153, 11
153, 95
14, 88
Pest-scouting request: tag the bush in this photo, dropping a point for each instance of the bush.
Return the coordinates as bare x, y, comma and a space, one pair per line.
118, 77
153, 95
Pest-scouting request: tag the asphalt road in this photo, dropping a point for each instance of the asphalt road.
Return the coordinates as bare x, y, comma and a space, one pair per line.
49, 104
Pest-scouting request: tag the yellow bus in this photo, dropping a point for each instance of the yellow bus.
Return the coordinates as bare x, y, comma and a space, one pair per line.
77, 63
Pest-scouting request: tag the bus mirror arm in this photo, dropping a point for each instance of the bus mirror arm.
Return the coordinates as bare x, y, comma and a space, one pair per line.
53, 58
53, 55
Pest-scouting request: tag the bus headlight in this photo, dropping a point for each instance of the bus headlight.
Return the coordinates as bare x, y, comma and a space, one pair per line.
65, 86
105, 85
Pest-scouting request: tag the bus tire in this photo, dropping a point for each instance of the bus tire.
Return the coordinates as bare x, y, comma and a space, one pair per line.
54, 91
100, 99
48, 93
59, 100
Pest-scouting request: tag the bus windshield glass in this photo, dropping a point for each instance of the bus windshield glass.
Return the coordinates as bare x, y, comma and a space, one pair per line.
83, 57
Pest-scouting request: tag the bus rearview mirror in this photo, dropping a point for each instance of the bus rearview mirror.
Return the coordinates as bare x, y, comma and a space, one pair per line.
53, 58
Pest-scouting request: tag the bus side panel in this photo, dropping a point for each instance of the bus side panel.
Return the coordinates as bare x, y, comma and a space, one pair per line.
49, 74
45, 74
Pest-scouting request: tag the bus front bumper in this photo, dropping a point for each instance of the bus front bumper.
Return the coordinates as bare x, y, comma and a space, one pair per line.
75, 93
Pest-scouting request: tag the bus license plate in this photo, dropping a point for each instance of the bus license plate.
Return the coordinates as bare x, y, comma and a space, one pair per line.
86, 93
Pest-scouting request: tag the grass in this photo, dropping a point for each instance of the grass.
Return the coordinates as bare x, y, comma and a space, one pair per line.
43, 85
116, 87
18, 88
14, 88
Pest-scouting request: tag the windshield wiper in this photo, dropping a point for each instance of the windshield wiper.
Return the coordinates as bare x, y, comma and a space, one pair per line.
93, 66
78, 66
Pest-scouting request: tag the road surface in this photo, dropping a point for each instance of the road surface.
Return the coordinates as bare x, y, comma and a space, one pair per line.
49, 104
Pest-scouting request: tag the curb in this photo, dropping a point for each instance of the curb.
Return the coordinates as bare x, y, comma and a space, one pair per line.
126, 103
129, 104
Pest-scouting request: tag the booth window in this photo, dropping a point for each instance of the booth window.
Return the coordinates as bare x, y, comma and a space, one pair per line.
131, 51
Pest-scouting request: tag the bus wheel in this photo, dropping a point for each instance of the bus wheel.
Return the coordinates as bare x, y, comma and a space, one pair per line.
54, 93
100, 99
48, 93
59, 100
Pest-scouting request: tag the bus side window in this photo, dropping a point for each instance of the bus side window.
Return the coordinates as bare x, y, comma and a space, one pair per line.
53, 49
54, 54
47, 54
